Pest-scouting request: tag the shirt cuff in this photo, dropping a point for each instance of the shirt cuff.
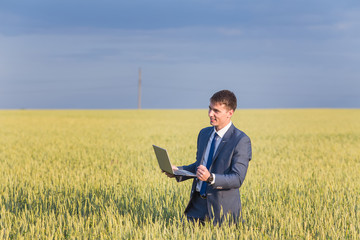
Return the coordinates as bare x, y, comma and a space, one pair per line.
213, 181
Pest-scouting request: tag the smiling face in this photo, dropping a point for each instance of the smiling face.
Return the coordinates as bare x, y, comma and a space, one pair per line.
219, 114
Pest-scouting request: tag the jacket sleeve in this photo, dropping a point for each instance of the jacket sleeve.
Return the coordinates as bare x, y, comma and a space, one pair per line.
190, 168
239, 164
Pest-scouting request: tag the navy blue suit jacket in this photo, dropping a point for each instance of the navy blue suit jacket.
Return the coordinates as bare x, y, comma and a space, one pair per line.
230, 164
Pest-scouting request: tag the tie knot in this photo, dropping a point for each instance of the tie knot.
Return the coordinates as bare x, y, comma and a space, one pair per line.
216, 136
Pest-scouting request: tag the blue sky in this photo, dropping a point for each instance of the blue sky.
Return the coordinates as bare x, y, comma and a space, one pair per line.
86, 54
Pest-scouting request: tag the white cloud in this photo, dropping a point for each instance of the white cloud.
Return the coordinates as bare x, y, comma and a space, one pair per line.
269, 59
230, 31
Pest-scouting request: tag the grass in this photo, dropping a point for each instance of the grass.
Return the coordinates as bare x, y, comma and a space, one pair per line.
93, 174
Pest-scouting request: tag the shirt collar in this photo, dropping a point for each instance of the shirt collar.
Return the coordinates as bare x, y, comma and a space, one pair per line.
222, 131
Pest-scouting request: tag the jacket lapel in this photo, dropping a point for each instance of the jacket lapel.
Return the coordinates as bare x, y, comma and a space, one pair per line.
223, 142
207, 136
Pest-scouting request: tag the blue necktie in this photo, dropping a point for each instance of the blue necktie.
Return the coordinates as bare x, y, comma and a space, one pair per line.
208, 164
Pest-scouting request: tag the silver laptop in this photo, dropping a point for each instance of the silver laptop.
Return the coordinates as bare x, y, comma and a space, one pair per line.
165, 165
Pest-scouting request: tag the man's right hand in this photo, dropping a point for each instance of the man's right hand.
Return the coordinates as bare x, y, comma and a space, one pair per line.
169, 174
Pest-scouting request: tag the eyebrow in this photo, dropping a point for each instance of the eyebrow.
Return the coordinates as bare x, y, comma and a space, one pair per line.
214, 109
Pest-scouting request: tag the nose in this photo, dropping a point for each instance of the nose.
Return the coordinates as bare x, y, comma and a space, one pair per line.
211, 113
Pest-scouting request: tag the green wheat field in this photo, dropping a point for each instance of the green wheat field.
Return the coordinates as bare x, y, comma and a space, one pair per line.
72, 174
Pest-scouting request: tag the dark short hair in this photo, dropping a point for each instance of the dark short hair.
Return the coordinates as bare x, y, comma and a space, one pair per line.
225, 97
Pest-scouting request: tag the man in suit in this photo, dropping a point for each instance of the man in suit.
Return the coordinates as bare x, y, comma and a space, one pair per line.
222, 159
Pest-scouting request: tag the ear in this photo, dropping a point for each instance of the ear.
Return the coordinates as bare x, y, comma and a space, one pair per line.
230, 113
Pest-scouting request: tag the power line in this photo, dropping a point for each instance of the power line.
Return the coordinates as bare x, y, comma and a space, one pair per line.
139, 90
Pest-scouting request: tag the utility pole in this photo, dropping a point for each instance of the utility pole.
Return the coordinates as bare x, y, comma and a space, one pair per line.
139, 90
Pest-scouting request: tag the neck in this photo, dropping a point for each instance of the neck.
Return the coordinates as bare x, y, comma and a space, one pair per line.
218, 128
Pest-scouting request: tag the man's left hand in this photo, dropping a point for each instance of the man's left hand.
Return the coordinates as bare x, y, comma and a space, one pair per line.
202, 173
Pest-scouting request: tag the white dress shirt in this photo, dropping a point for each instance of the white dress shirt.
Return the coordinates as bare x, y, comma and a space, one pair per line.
220, 134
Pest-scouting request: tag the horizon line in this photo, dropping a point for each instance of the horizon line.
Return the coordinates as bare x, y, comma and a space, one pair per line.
146, 109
